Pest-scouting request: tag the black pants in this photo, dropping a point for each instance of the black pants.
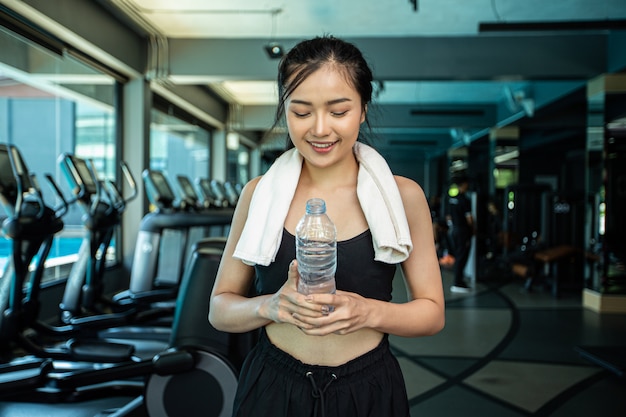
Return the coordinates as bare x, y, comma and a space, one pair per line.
275, 384
462, 244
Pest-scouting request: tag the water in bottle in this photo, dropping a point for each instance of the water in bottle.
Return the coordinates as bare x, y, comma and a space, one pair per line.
316, 250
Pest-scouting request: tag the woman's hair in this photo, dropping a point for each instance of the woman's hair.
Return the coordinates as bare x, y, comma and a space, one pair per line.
308, 56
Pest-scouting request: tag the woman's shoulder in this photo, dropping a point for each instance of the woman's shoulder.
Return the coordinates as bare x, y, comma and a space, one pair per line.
250, 186
407, 185
246, 194
413, 198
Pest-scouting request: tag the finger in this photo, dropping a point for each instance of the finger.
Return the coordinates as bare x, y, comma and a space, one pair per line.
321, 316
292, 273
311, 330
301, 324
323, 302
308, 311
293, 267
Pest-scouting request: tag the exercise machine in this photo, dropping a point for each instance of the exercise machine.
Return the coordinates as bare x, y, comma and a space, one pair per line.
208, 198
189, 195
197, 375
200, 364
101, 216
156, 267
29, 345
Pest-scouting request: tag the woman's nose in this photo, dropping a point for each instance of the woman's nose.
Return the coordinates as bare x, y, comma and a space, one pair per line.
321, 126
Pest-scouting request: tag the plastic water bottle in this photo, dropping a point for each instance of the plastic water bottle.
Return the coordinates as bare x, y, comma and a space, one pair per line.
316, 250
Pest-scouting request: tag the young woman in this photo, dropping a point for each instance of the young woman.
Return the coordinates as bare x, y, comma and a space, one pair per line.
308, 361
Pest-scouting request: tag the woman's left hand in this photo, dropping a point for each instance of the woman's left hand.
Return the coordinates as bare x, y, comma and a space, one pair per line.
350, 314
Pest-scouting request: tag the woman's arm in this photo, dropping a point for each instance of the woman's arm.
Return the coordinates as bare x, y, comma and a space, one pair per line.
424, 313
230, 310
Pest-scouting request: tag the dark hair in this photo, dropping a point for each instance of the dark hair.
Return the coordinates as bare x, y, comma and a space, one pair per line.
310, 55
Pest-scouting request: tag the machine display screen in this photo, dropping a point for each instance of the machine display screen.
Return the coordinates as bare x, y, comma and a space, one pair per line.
7, 180
162, 186
84, 173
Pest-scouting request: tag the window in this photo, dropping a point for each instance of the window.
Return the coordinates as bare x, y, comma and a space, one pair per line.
238, 168
52, 103
178, 147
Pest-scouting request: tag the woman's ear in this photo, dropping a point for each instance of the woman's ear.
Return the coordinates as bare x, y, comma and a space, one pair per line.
364, 113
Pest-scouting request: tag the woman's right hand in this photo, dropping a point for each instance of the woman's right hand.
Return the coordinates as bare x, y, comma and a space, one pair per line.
281, 307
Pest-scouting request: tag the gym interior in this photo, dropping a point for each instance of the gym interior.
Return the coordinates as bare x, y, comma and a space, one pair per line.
129, 127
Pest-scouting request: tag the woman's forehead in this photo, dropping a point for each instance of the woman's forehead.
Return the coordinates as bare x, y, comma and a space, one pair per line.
326, 77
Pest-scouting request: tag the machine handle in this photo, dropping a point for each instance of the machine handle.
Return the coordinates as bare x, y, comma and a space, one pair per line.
98, 195
128, 176
59, 211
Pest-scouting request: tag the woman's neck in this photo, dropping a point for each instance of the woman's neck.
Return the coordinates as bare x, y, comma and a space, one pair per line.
339, 175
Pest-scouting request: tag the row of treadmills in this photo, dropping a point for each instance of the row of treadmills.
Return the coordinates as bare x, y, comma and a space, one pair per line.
146, 351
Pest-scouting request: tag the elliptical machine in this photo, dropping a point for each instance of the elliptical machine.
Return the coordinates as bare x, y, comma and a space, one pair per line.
31, 225
197, 373
83, 297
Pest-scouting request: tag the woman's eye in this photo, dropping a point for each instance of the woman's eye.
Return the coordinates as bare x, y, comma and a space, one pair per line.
300, 114
339, 113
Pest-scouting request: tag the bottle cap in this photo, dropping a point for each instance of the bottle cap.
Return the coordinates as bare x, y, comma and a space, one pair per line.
315, 206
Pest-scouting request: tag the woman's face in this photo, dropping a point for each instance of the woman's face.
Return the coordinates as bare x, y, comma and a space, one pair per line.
324, 114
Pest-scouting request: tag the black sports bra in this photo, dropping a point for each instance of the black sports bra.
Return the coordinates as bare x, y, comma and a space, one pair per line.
357, 271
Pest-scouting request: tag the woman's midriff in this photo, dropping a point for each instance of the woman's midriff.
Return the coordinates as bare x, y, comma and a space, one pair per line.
329, 350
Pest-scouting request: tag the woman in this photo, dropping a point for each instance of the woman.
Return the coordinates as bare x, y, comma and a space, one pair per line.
308, 361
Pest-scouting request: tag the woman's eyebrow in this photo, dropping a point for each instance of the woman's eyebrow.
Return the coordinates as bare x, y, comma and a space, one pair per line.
306, 103
337, 101
328, 103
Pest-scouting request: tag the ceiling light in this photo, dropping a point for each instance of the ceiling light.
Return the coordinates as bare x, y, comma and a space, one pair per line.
232, 141
498, 159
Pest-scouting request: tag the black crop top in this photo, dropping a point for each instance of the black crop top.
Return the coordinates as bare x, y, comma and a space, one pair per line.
357, 271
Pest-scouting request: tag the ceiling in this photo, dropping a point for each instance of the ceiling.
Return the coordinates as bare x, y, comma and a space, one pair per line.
440, 82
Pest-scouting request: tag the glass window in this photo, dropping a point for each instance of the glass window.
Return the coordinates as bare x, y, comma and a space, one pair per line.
238, 169
51, 104
178, 147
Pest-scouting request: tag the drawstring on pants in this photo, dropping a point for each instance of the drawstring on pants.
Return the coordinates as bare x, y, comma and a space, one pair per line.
319, 393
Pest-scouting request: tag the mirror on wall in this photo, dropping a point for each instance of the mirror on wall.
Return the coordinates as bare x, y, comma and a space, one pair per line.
605, 225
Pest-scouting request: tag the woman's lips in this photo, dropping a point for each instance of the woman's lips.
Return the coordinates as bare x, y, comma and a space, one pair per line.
322, 147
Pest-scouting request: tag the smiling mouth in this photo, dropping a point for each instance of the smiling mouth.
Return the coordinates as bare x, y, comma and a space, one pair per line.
322, 145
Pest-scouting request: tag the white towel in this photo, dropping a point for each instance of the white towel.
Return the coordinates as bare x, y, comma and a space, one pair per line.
377, 192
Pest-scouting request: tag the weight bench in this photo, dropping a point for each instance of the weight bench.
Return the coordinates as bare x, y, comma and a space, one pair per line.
547, 257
